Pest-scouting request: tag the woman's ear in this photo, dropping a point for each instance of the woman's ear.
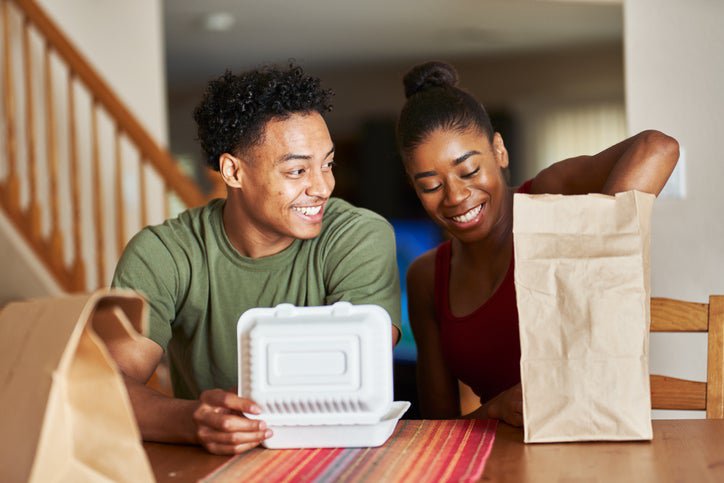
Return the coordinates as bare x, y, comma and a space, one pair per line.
501, 154
230, 169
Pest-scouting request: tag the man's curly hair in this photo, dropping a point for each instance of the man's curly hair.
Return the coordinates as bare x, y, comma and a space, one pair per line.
235, 108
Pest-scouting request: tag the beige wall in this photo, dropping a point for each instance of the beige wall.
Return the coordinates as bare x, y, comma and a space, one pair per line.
674, 82
23, 276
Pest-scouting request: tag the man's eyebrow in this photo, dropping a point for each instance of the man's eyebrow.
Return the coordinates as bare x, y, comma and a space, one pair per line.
465, 156
292, 156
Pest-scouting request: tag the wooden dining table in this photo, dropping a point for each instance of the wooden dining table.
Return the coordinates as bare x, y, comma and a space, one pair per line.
681, 451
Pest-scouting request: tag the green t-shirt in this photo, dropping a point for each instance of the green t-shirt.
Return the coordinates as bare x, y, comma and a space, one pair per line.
198, 285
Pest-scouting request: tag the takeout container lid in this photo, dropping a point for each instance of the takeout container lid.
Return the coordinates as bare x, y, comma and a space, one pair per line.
317, 366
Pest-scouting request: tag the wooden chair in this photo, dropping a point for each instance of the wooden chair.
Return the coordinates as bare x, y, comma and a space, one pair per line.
669, 315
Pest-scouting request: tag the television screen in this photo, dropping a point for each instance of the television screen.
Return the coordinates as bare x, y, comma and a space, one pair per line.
414, 237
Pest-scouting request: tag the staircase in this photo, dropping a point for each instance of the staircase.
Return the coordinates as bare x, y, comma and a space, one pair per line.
79, 175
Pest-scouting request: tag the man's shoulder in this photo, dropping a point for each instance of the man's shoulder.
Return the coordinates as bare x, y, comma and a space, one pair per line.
342, 214
348, 227
183, 229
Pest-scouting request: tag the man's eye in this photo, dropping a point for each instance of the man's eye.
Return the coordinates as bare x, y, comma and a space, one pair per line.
329, 165
471, 174
296, 172
430, 190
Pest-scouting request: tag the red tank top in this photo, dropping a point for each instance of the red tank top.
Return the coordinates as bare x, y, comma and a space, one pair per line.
482, 349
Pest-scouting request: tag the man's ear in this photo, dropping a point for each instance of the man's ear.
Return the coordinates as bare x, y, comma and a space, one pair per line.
499, 150
230, 169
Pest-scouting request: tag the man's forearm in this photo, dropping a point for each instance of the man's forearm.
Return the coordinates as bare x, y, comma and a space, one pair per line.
161, 418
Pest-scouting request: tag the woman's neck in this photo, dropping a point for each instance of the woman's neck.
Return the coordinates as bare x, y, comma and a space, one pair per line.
497, 243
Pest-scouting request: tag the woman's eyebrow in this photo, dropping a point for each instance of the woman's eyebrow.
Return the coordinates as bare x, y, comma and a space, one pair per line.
456, 161
424, 174
465, 156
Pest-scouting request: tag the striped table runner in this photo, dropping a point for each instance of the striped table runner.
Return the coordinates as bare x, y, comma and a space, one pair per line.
427, 450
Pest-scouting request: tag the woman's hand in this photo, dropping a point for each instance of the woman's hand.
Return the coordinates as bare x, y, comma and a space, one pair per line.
221, 426
507, 406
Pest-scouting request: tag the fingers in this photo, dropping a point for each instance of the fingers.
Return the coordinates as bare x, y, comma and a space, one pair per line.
221, 426
221, 421
515, 419
209, 435
229, 400
226, 449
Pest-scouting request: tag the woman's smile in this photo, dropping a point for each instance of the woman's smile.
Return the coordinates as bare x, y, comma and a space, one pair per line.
470, 217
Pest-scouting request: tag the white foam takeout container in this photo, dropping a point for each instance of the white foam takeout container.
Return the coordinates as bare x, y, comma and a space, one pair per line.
322, 376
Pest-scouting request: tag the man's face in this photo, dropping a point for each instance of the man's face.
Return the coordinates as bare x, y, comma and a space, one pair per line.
287, 179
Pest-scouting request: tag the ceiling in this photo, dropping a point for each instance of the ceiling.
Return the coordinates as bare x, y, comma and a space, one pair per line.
326, 33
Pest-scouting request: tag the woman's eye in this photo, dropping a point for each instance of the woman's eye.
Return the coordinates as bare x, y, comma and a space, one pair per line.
471, 174
430, 190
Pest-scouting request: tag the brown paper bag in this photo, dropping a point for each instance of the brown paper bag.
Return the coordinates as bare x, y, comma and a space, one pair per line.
64, 410
582, 284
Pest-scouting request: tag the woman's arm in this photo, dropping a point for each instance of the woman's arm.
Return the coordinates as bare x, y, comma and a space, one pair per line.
506, 406
437, 388
642, 162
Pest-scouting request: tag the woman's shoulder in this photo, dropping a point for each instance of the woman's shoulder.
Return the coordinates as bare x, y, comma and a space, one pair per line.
421, 273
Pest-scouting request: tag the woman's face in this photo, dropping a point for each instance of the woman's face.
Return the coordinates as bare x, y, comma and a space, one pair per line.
458, 178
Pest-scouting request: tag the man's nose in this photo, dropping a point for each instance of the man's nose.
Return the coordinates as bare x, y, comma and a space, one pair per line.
320, 184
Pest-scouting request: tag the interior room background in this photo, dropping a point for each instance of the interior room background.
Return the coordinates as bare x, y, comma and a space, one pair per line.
559, 78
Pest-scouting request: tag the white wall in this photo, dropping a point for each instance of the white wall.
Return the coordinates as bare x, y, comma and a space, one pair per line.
23, 276
674, 69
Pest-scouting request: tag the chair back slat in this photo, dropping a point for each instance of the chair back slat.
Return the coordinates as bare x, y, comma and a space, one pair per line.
715, 359
672, 393
668, 315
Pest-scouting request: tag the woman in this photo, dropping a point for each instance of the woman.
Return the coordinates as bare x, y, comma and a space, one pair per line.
462, 297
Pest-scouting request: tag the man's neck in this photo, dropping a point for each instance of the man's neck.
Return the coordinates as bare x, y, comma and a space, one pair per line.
246, 237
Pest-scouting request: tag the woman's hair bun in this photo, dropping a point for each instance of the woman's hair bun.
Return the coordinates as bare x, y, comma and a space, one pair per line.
428, 75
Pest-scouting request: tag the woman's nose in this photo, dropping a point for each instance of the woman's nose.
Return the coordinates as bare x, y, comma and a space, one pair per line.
456, 192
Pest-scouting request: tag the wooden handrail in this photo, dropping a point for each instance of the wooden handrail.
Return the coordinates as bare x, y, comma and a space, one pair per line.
161, 160
65, 90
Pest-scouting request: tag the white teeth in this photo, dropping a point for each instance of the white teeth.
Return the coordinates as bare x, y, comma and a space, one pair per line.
308, 210
468, 216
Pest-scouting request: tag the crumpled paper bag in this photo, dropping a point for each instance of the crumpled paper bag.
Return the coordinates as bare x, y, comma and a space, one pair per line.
583, 294
65, 413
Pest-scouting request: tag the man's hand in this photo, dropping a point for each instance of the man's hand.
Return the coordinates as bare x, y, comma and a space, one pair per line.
221, 425
507, 406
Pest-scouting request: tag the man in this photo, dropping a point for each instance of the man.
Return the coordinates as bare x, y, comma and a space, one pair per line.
278, 237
